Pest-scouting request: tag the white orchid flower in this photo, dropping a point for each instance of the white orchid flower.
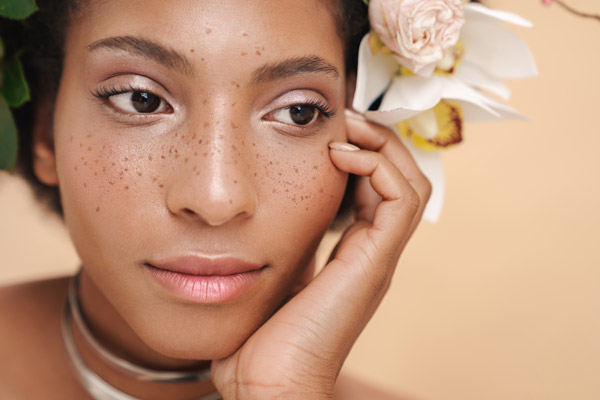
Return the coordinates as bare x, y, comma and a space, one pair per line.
427, 111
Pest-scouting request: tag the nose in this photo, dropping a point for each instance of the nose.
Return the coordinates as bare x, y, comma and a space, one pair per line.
216, 187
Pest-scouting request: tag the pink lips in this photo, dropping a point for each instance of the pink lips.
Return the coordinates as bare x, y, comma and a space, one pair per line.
205, 280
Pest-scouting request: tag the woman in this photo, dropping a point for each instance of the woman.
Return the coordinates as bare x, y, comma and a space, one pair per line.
200, 150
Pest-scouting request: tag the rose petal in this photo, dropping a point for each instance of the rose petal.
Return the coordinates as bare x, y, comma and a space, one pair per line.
426, 70
418, 32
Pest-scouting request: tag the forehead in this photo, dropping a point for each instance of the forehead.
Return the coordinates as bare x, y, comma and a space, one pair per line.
218, 30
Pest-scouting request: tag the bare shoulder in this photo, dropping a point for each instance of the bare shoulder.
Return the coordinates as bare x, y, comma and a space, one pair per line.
30, 338
348, 387
30, 315
30, 304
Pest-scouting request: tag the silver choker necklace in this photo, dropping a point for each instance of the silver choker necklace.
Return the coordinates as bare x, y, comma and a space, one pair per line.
96, 386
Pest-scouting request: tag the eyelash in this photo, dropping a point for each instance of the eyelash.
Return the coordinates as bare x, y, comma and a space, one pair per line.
323, 110
106, 93
320, 105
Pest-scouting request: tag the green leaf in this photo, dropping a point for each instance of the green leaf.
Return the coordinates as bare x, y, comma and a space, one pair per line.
14, 87
8, 137
17, 9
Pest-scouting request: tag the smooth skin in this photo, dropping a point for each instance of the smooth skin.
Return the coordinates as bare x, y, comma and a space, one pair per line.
135, 187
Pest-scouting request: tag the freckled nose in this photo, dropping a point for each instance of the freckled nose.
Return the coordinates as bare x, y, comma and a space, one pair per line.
216, 191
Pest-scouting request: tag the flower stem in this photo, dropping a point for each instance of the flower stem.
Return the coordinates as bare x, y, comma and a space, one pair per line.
578, 13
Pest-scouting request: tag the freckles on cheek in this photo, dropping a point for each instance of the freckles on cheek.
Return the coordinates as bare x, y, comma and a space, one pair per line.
98, 177
124, 177
309, 185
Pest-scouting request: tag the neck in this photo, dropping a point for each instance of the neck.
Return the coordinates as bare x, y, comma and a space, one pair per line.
115, 335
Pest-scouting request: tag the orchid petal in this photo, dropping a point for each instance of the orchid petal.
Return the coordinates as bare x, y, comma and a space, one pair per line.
425, 124
456, 90
473, 76
430, 163
496, 50
448, 119
389, 118
504, 111
413, 93
478, 12
473, 113
407, 97
374, 74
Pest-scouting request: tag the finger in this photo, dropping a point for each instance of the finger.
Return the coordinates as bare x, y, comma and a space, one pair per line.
375, 137
365, 200
400, 202
371, 136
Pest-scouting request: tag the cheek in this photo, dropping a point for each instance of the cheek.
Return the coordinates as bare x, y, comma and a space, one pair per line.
105, 187
309, 185
301, 179
302, 192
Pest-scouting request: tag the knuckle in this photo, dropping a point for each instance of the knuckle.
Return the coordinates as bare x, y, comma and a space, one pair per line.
411, 201
376, 279
380, 283
423, 187
427, 188
372, 271
371, 160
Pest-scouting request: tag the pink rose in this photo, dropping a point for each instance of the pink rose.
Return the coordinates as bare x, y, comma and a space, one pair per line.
418, 31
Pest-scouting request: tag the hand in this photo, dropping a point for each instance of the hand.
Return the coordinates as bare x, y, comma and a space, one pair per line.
300, 350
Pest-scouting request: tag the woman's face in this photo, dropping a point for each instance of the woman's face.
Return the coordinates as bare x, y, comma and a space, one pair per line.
190, 131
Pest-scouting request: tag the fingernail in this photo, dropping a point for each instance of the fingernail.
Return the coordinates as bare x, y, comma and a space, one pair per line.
354, 115
341, 146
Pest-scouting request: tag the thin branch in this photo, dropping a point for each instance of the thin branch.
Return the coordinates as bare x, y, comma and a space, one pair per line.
578, 13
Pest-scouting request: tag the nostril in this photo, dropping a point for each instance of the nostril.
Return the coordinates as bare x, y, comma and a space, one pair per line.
188, 213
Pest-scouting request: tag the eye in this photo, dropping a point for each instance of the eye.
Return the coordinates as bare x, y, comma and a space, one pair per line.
138, 102
297, 115
302, 115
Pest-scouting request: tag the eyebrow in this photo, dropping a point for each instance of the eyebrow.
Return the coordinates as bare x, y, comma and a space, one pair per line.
294, 66
154, 51
170, 58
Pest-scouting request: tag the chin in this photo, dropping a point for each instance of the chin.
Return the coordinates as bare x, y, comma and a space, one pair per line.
209, 350
190, 333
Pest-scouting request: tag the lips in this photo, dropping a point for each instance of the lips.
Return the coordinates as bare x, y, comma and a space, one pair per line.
205, 280
192, 265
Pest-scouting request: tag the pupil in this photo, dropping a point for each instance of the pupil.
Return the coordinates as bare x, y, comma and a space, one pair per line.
302, 115
145, 102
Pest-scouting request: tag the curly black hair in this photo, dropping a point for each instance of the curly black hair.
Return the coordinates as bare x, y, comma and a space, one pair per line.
42, 39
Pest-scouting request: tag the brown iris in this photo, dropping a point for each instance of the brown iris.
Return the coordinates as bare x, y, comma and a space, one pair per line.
302, 115
145, 102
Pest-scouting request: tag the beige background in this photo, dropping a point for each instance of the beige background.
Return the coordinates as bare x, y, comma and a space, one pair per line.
500, 299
